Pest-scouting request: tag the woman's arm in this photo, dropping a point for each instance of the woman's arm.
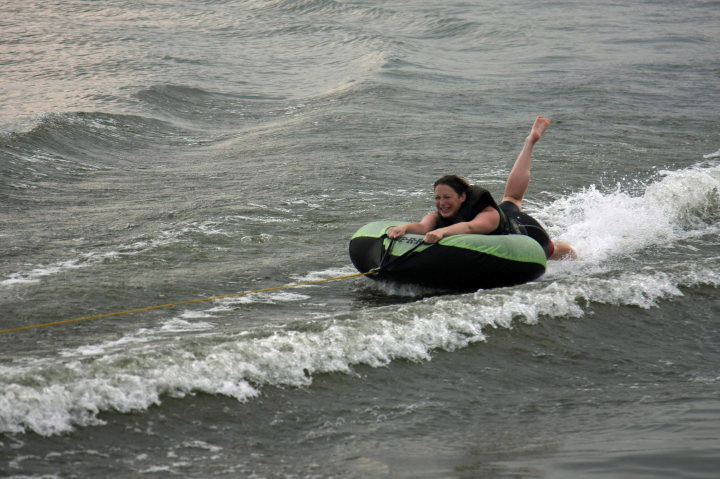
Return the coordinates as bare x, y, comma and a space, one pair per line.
485, 222
427, 223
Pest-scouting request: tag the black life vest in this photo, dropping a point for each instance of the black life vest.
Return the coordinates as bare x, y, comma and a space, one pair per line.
476, 201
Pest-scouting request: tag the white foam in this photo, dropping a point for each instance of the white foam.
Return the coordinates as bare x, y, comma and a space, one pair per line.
263, 298
197, 444
36, 274
604, 224
262, 219
712, 155
192, 314
141, 246
177, 325
324, 274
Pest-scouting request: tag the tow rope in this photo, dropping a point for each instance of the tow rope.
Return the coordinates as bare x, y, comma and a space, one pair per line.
180, 303
395, 261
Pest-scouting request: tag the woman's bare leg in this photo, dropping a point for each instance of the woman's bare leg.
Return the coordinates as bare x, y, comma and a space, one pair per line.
519, 177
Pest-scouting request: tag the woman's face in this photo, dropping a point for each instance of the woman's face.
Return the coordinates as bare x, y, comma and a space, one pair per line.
447, 201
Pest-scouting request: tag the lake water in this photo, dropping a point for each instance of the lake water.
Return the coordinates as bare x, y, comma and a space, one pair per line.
162, 151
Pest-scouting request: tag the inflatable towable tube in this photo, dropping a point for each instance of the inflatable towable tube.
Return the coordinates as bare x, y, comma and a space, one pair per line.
460, 263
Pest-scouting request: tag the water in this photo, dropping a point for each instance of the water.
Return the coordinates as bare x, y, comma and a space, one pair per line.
155, 152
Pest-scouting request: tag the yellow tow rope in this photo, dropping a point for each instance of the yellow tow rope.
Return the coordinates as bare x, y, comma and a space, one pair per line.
180, 303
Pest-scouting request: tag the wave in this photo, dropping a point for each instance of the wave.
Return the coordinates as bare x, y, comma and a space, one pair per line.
181, 358
195, 106
67, 145
190, 233
313, 7
395, 21
637, 250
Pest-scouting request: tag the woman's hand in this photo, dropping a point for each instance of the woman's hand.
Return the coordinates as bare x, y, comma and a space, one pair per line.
420, 228
395, 232
435, 235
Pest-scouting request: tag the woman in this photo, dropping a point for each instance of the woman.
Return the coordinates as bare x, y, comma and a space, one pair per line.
465, 209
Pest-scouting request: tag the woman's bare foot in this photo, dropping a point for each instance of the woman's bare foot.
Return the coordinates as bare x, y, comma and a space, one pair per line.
563, 251
541, 124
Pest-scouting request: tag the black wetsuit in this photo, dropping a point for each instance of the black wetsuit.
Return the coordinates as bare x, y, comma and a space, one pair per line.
512, 220
528, 226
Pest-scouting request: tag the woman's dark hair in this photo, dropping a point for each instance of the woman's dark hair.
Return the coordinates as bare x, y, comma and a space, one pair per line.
460, 185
